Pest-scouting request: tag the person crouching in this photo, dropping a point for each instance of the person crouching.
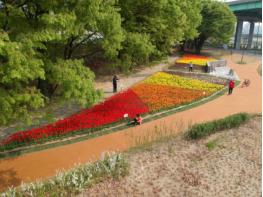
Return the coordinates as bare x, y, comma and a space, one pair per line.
137, 120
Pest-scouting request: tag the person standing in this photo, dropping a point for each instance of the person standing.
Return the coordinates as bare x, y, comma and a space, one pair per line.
206, 67
114, 83
191, 67
231, 72
231, 86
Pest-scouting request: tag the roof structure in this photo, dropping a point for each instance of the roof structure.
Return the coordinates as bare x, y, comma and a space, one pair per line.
247, 9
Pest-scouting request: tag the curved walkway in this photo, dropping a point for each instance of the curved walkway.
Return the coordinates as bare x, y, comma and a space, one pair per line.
43, 164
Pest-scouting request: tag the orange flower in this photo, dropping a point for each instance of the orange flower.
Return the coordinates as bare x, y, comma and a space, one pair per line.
157, 97
195, 59
193, 56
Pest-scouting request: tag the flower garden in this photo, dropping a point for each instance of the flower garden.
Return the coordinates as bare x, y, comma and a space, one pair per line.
158, 92
195, 59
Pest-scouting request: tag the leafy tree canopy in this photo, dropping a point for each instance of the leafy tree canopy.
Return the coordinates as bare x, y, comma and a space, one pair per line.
161, 20
192, 12
218, 23
39, 43
45, 45
19, 67
161, 23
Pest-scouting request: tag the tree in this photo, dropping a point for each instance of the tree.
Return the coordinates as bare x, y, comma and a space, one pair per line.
165, 23
217, 25
192, 12
160, 20
42, 46
19, 67
46, 45
136, 49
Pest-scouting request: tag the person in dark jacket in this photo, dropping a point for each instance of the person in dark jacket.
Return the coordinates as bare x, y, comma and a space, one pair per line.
231, 86
114, 83
137, 120
191, 67
206, 67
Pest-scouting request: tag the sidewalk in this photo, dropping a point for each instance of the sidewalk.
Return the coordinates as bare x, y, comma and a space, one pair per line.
128, 81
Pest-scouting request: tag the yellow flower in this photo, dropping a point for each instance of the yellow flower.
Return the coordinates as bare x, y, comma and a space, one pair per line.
162, 78
196, 61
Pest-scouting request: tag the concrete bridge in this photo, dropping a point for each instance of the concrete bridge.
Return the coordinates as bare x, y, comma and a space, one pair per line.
246, 10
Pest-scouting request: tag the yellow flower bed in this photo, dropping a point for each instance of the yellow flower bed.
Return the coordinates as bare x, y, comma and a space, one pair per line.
195, 59
200, 62
162, 78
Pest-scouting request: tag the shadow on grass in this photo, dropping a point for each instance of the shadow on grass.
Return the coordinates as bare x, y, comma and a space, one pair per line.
161, 133
8, 177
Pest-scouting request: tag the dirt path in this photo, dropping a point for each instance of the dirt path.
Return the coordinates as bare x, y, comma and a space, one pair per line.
227, 163
43, 164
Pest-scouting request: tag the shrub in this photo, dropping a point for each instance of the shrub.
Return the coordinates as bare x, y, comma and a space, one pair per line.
74, 181
198, 131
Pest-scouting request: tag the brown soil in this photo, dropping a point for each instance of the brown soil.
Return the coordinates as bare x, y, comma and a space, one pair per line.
43, 164
231, 167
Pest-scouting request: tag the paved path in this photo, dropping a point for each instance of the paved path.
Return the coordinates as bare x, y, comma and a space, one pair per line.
43, 164
105, 83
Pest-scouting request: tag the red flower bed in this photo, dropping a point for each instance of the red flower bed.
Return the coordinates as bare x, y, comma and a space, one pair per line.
112, 110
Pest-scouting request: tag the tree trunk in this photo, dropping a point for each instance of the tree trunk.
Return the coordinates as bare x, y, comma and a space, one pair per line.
5, 24
53, 90
199, 42
182, 46
197, 47
69, 48
46, 88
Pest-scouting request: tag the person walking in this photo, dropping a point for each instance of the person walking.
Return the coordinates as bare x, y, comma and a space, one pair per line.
231, 86
191, 67
114, 83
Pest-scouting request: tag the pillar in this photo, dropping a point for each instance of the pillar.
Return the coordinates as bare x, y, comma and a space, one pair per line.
239, 29
250, 36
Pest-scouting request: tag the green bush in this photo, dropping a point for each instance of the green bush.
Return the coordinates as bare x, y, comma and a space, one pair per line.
198, 131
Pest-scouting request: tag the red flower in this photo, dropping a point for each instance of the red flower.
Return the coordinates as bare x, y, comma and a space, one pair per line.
111, 110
